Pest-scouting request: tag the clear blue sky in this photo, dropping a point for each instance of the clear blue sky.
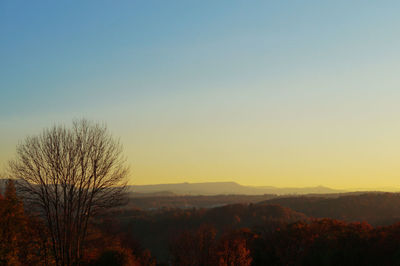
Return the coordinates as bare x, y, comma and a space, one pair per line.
259, 92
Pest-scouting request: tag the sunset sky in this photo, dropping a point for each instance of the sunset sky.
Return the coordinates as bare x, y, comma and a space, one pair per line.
281, 93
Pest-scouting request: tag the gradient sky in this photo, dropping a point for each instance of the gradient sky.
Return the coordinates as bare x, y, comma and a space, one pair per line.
282, 93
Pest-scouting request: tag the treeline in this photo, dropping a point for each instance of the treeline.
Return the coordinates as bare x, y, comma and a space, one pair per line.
239, 234
257, 234
376, 208
155, 229
314, 242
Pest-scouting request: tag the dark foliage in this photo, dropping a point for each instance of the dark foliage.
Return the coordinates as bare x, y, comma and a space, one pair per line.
240, 234
375, 208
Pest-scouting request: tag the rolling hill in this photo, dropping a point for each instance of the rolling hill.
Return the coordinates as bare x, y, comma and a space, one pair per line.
227, 188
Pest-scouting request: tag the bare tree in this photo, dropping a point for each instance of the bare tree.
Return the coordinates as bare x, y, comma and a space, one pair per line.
71, 174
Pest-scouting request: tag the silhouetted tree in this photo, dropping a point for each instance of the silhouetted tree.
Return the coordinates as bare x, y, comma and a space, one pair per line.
71, 174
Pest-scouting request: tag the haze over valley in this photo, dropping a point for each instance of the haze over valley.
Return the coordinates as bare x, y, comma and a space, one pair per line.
199, 133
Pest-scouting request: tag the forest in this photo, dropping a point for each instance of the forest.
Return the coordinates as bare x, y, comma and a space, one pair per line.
199, 133
263, 233
66, 203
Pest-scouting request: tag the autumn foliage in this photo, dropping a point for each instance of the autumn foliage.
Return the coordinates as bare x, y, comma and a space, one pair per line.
233, 235
22, 241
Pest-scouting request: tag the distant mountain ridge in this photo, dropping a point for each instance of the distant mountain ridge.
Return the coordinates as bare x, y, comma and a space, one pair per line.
227, 188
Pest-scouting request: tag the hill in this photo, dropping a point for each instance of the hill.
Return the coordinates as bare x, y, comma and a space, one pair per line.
153, 201
226, 188
376, 208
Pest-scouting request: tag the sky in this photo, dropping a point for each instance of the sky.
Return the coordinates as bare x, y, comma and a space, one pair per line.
279, 93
